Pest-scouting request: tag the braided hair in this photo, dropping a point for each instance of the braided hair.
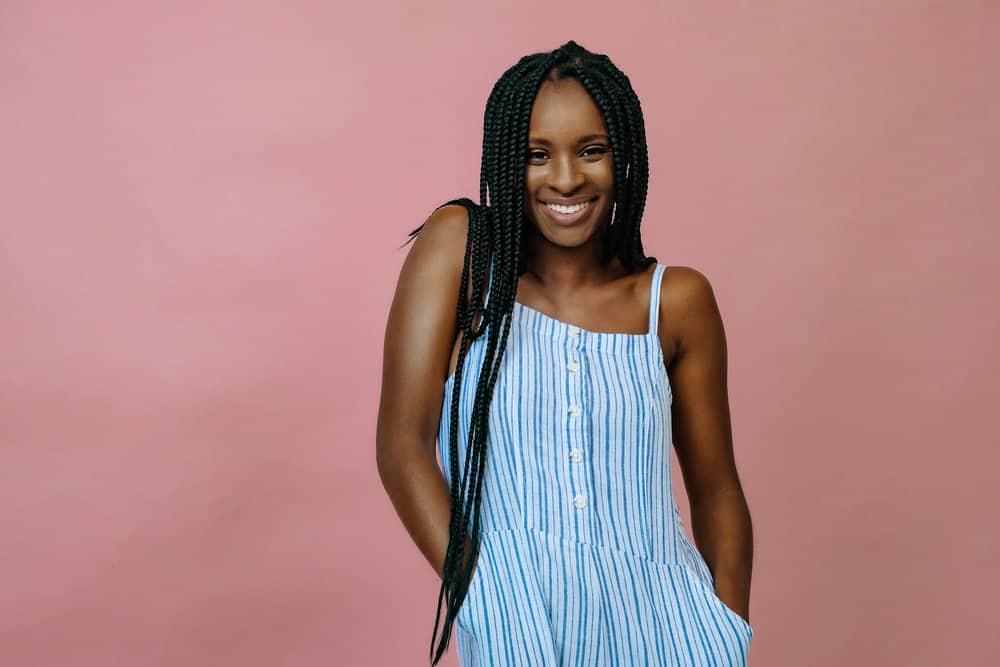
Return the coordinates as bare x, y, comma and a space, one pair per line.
497, 230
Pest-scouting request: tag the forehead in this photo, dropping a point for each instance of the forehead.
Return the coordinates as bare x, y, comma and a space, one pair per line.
564, 111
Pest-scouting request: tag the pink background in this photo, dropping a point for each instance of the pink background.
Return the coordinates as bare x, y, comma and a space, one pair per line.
201, 208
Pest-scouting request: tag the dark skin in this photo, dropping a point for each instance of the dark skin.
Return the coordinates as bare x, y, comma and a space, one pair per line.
569, 159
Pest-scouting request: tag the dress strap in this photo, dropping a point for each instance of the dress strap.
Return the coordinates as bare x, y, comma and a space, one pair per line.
654, 299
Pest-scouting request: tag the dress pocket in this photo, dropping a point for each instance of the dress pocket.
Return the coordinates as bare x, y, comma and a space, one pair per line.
710, 592
735, 616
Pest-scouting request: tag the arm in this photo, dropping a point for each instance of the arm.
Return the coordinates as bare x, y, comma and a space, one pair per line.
419, 337
703, 438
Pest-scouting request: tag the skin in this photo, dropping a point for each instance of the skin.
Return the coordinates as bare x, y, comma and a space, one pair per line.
564, 280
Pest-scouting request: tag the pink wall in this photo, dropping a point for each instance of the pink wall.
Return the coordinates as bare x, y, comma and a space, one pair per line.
200, 210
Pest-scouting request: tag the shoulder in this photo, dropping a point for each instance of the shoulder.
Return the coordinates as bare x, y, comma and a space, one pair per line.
688, 307
685, 288
441, 245
440, 242
446, 228
450, 227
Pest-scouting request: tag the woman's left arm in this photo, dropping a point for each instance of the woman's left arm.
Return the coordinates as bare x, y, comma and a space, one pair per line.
703, 437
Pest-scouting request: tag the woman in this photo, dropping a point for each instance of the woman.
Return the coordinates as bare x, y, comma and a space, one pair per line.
552, 520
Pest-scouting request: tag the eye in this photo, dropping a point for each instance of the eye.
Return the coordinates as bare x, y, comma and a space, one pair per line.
597, 150
587, 152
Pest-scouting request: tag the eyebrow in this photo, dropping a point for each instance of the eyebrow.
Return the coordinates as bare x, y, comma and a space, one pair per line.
583, 139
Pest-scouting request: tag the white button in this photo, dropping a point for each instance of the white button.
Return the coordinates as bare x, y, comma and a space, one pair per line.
573, 366
574, 331
580, 501
576, 455
575, 410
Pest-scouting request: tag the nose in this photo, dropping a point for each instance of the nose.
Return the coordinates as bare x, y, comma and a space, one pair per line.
565, 175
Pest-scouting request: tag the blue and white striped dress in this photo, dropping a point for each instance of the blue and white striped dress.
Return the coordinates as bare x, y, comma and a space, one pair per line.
584, 559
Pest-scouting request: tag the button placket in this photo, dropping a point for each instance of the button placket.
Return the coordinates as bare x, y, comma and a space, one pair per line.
577, 430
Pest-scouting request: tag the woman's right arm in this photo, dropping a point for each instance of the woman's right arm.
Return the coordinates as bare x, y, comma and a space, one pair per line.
419, 338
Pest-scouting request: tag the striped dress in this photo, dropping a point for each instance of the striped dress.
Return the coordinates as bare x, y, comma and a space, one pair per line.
584, 559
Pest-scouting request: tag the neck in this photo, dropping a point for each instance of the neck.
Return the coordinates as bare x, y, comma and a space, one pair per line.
559, 270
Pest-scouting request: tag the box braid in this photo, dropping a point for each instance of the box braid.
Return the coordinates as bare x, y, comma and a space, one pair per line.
497, 229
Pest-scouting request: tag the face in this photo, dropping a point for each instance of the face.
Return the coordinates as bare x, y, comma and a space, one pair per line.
569, 164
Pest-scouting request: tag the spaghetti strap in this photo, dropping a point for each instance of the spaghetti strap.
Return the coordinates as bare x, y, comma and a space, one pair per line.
654, 299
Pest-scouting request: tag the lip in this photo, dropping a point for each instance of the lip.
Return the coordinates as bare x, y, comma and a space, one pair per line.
568, 218
568, 202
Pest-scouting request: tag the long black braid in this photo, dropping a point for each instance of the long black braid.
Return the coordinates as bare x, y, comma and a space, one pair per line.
497, 230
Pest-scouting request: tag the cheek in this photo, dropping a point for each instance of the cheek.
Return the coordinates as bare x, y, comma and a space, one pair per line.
531, 186
527, 204
606, 175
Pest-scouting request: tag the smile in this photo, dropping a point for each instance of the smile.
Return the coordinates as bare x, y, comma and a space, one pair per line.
567, 214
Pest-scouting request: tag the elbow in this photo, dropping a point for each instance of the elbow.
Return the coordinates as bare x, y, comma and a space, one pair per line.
399, 453
384, 457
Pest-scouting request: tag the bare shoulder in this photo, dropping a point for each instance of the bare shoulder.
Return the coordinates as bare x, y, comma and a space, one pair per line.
685, 289
443, 240
444, 233
431, 272
689, 312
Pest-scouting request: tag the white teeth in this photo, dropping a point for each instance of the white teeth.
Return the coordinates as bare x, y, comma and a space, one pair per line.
568, 209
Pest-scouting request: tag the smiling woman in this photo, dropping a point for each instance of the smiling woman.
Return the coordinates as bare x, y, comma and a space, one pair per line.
551, 518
